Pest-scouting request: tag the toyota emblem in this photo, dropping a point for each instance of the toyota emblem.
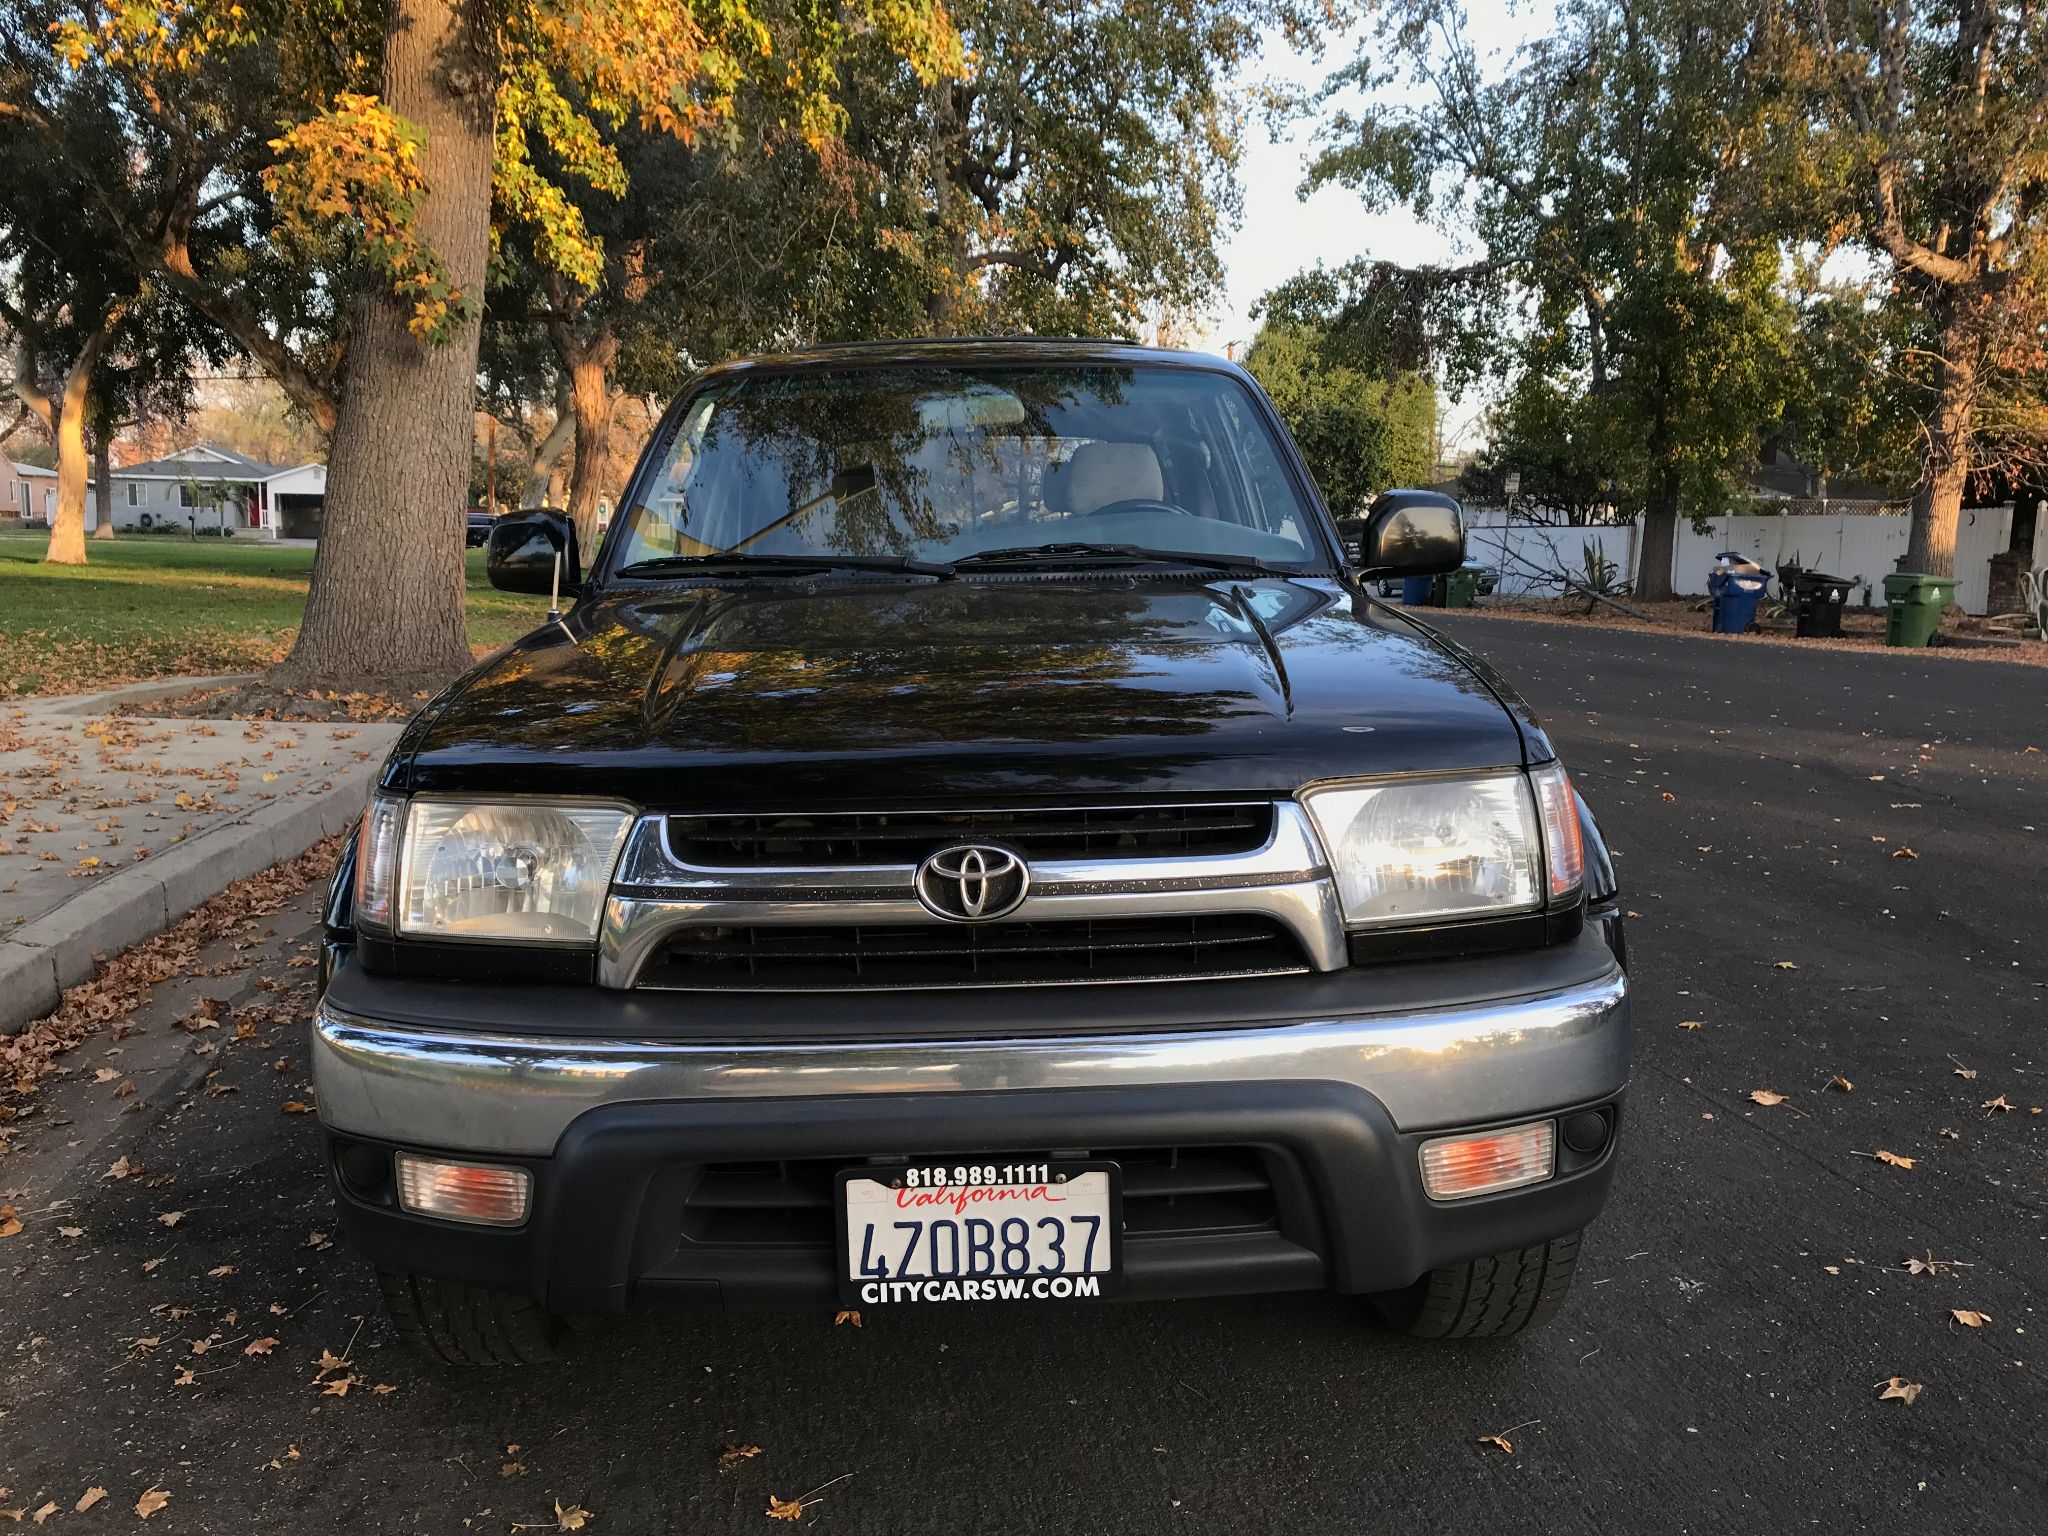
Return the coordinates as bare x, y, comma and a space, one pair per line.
973, 882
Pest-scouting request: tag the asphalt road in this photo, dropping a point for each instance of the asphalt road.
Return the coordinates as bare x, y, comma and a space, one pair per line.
1718, 1368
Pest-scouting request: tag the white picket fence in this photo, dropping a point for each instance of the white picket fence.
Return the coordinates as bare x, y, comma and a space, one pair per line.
1861, 547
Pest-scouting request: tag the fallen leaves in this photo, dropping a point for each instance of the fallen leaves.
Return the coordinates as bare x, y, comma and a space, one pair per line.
297, 1107
48, 1509
1968, 1318
847, 1315
170, 1218
1689, 1024
86, 1500
1898, 1387
1765, 1097
152, 1500
1841, 1085
1999, 1106
573, 1518
10, 1224
733, 1455
1783, 965
784, 1509
261, 1346
1904, 853
1892, 1159
122, 1169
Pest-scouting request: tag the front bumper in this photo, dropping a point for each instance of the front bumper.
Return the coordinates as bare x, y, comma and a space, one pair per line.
641, 1148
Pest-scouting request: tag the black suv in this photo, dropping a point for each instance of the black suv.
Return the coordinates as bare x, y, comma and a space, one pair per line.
971, 837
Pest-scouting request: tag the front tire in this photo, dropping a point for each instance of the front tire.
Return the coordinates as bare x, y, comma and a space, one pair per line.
1489, 1298
462, 1325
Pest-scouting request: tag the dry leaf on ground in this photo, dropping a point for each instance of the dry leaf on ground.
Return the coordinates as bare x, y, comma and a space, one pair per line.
733, 1455
48, 1509
152, 1500
1998, 1106
1904, 853
1765, 1097
10, 1224
171, 1218
1968, 1318
1783, 965
1892, 1158
1898, 1387
1688, 1023
784, 1509
1841, 1084
846, 1316
90, 1497
261, 1346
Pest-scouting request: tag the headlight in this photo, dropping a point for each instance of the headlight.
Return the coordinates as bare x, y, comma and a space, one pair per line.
1408, 850
531, 870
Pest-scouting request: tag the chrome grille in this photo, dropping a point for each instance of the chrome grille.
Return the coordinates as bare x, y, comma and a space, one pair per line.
1006, 954
903, 837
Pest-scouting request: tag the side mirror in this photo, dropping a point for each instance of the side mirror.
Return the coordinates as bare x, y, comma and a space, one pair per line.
520, 556
1412, 533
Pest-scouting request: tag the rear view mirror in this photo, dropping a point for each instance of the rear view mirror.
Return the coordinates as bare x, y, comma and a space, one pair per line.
1412, 533
520, 556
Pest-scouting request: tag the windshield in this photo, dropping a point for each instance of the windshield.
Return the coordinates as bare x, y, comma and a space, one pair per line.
949, 463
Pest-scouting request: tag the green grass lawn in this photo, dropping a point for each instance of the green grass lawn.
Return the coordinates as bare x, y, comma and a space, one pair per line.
156, 605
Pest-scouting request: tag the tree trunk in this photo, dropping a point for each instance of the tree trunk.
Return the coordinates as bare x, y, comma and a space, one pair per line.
540, 475
67, 524
1945, 463
1660, 540
590, 396
103, 484
385, 610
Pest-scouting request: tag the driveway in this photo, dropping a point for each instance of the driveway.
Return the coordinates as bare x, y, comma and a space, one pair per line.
1839, 867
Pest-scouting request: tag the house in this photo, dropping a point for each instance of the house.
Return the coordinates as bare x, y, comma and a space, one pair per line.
207, 487
27, 492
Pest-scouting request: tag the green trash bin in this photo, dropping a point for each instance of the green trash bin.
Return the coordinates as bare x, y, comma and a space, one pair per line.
1460, 587
1913, 605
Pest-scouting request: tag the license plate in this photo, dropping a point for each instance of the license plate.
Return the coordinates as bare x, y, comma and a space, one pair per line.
1006, 1231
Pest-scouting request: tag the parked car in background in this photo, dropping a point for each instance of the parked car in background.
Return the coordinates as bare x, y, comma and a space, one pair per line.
972, 838
478, 531
1485, 579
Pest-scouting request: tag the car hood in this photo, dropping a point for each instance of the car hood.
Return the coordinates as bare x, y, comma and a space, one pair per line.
791, 692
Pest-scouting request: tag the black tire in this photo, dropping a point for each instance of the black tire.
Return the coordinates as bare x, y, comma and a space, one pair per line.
453, 1324
1486, 1298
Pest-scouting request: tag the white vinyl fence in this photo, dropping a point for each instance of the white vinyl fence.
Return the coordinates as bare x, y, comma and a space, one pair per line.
1859, 546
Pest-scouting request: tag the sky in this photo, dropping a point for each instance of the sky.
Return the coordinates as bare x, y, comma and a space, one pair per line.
1282, 234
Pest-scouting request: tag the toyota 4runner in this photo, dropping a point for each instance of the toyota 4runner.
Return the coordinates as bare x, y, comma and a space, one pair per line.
971, 837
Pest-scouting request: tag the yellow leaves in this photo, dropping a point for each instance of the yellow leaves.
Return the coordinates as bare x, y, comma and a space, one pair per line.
1898, 1387
1892, 1158
10, 1224
1968, 1318
1689, 1024
784, 1509
297, 1107
573, 1518
152, 1500
1765, 1097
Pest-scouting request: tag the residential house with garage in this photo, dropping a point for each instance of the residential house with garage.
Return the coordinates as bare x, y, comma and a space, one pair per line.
204, 487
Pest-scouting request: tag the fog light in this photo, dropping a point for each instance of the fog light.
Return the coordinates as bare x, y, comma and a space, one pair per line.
492, 1197
1459, 1167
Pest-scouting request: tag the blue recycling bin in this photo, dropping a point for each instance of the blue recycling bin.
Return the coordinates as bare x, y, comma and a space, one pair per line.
1735, 595
1415, 591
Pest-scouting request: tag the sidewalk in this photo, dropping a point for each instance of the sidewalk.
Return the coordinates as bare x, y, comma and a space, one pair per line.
114, 826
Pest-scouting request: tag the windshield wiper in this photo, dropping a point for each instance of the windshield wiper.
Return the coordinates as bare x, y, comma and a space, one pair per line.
743, 563
1055, 555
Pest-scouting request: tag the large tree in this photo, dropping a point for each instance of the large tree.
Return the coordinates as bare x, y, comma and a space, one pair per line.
1607, 174
1359, 433
1927, 133
347, 252
1075, 176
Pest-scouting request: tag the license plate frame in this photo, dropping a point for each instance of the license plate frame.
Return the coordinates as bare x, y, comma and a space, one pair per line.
988, 1285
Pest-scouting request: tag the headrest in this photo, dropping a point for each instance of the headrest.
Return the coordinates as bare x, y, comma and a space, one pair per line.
1100, 473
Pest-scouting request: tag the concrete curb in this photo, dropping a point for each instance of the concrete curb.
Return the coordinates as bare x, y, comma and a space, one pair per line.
42, 957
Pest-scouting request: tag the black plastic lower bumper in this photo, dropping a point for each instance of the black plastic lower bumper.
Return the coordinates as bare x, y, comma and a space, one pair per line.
1247, 1187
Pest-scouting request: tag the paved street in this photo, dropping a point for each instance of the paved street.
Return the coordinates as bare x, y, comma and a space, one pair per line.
1840, 864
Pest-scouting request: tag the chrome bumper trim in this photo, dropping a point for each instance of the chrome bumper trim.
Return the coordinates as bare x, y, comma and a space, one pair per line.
484, 1092
1285, 879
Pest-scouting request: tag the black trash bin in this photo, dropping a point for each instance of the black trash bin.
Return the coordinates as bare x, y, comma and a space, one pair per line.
1817, 600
